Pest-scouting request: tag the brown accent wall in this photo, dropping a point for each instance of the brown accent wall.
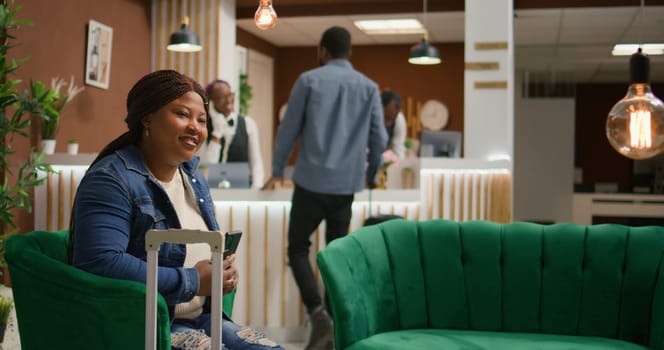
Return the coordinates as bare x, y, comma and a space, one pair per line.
56, 43
388, 66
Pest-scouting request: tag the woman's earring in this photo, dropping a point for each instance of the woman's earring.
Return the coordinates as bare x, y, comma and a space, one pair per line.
147, 132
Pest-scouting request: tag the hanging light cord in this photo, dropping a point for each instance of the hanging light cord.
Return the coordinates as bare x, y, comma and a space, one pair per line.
424, 15
641, 23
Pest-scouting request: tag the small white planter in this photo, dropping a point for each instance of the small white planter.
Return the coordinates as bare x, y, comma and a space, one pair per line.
48, 146
72, 148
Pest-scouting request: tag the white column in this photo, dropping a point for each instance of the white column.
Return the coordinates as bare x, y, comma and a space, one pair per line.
489, 80
226, 45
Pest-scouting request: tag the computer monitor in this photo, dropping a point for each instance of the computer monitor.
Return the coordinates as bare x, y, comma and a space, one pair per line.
228, 175
440, 144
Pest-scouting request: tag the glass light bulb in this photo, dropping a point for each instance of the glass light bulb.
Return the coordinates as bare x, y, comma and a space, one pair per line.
265, 17
635, 125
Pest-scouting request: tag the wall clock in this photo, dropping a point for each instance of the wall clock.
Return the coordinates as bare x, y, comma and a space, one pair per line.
434, 115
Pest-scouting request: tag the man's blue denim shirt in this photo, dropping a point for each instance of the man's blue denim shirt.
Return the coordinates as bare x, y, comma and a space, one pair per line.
117, 202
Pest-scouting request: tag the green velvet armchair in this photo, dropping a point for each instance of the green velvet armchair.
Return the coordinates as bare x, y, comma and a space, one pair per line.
62, 307
479, 285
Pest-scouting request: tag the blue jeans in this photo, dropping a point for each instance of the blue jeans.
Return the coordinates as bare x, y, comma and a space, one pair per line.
234, 336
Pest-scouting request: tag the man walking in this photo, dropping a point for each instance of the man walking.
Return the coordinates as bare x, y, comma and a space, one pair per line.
337, 113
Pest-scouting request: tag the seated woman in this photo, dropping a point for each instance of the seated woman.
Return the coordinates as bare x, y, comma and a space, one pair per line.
146, 179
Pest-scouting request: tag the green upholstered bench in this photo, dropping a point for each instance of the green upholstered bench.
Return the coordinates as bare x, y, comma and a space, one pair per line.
480, 285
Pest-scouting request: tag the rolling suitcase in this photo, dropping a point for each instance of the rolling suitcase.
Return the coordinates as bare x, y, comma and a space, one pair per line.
153, 240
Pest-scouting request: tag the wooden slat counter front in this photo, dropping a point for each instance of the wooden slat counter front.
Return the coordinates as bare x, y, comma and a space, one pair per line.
267, 296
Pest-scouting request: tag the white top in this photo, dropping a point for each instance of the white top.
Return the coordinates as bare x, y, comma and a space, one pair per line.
399, 136
182, 197
209, 152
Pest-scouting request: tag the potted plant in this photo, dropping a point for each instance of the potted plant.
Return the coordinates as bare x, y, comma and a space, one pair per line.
17, 106
245, 95
72, 146
411, 148
51, 119
6, 306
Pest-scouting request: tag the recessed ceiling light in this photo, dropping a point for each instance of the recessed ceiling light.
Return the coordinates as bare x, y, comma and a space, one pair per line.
629, 49
390, 26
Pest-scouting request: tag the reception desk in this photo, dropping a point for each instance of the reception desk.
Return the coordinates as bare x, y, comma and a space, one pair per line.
625, 205
457, 189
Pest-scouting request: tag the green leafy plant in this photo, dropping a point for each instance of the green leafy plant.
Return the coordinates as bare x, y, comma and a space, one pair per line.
6, 306
16, 110
408, 143
51, 118
245, 95
72, 141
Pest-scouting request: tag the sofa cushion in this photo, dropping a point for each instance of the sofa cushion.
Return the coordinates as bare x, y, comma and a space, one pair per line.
478, 340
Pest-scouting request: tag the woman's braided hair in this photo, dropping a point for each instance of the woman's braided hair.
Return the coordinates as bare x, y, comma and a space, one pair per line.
150, 93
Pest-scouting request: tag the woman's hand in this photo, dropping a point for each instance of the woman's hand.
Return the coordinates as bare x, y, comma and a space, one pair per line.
230, 277
204, 268
230, 274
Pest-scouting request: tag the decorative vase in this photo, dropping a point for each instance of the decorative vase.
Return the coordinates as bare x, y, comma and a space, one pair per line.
381, 177
407, 178
48, 146
72, 148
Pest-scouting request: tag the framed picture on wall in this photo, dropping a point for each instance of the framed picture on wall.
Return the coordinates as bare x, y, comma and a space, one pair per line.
98, 58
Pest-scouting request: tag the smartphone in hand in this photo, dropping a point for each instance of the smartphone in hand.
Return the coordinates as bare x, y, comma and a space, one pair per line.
232, 239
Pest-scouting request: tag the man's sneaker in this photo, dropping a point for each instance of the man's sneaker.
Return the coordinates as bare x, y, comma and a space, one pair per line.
321, 336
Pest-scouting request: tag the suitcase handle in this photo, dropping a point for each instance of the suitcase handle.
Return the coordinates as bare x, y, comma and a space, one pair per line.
153, 240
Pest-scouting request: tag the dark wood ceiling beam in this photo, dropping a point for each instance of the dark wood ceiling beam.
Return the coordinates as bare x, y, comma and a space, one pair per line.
300, 8
320, 8
546, 4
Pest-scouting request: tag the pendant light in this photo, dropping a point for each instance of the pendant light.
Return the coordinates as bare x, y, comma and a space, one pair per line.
635, 125
184, 40
424, 53
265, 16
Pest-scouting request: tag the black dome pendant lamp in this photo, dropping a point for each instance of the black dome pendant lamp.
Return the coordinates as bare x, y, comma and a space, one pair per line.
184, 40
424, 53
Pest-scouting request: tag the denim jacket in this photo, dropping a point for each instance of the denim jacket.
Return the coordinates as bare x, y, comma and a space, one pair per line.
117, 202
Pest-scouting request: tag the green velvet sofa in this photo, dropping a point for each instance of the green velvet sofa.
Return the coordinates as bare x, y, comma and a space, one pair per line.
480, 285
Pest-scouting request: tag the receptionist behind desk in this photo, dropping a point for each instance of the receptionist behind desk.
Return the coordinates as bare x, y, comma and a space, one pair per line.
395, 123
231, 137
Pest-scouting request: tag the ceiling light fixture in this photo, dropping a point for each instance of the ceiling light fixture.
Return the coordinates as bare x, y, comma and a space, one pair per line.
390, 26
635, 125
424, 53
265, 16
184, 40
651, 49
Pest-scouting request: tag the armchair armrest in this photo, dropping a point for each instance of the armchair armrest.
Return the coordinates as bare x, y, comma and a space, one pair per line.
92, 312
657, 311
357, 277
